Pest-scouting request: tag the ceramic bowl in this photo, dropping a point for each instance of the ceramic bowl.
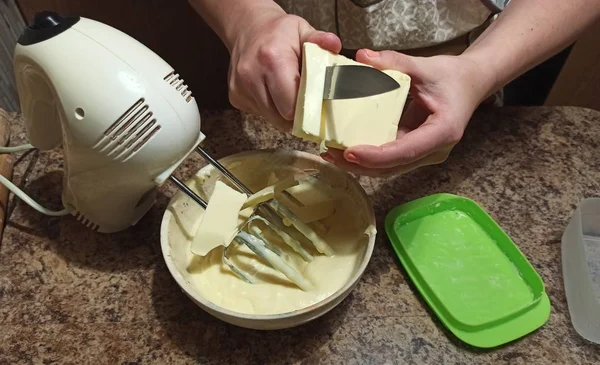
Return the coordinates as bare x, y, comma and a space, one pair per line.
175, 245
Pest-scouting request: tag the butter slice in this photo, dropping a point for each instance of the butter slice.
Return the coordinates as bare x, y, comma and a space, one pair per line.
220, 220
310, 213
310, 191
313, 200
244, 215
269, 192
341, 124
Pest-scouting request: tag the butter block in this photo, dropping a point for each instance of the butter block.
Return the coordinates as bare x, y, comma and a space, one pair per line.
219, 222
341, 124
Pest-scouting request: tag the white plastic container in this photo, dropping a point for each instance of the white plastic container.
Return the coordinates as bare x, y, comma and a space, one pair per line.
175, 247
581, 268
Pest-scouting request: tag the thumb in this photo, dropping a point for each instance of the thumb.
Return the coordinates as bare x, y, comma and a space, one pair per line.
389, 60
325, 40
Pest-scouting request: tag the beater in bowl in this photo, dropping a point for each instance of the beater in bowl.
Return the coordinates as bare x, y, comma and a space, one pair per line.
272, 214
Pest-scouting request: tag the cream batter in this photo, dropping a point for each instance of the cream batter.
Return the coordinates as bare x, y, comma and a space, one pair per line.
344, 231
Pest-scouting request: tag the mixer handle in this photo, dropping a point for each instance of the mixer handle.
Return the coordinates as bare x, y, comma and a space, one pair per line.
39, 103
39, 106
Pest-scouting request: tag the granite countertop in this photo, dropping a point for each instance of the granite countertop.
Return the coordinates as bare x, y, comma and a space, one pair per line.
71, 296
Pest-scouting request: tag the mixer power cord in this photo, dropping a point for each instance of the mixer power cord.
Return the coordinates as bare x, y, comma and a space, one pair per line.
21, 148
20, 193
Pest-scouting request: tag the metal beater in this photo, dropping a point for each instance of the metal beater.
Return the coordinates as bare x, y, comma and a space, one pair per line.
273, 215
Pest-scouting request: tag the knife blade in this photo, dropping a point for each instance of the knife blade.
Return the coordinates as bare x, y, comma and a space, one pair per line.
356, 81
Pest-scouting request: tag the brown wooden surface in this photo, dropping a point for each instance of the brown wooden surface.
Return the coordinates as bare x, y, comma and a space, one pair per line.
578, 83
6, 167
170, 28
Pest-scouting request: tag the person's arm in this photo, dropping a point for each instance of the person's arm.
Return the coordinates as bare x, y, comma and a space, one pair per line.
228, 17
527, 33
265, 45
447, 89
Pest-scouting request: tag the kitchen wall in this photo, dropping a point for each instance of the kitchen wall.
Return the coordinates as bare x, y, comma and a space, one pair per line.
579, 81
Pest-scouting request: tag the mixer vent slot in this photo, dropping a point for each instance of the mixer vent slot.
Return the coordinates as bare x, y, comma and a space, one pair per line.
86, 221
128, 134
177, 82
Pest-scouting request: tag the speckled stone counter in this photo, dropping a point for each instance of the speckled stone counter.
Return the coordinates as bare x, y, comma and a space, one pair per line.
70, 296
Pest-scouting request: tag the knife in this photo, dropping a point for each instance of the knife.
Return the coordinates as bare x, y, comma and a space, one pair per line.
356, 81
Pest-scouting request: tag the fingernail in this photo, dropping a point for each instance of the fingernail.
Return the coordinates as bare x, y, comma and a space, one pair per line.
371, 54
351, 157
327, 157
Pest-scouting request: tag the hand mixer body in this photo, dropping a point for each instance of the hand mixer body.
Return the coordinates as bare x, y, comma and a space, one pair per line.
124, 118
125, 121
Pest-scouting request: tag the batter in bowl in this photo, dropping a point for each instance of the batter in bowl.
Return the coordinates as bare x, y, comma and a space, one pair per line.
344, 231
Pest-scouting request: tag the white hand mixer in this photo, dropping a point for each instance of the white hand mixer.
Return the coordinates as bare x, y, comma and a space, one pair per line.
126, 120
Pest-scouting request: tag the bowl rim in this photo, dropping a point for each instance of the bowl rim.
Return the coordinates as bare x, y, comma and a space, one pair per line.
190, 291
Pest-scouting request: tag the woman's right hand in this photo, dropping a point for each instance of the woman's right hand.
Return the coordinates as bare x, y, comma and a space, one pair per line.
264, 73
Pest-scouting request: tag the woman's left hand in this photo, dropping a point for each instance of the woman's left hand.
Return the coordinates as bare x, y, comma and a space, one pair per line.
445, 92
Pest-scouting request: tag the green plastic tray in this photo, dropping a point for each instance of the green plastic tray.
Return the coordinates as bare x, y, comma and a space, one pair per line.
468, 270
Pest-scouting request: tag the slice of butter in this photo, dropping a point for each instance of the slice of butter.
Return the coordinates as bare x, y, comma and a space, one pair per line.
269, 192
311, 213
244, 215
310, 191
272, 179
313, 200
219, 222
340, 124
